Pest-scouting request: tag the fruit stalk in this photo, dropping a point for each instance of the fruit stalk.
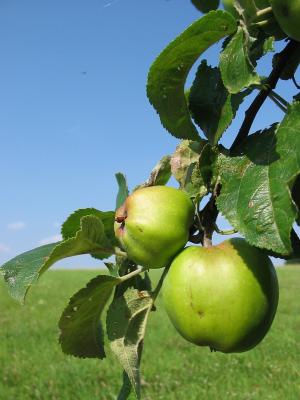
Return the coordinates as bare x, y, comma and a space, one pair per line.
209, 216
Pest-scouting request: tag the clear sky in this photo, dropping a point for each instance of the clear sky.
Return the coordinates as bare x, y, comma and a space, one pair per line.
73, 108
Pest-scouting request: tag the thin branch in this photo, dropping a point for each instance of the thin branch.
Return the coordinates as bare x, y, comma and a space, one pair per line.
295, 82
119, 252
279, 98
160, 282
225, 232
209, 216
132, 274
262, 12
269, 85
295, 244
277, 102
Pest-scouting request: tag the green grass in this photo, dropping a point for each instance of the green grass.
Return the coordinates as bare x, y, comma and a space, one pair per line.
33, 367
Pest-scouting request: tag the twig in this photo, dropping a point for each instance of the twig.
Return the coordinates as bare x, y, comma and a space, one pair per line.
226, 232
295, 244
209, 216
132, 274
119, 252
277, 102
295, 82
269, 85
160, 282
262, 12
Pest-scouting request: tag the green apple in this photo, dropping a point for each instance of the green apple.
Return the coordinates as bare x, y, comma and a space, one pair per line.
153, 225
223, 296
287, 14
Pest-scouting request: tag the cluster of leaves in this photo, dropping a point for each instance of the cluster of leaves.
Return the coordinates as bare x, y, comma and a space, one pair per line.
255, 184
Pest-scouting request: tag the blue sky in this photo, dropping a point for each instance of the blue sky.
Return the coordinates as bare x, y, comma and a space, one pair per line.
74, 109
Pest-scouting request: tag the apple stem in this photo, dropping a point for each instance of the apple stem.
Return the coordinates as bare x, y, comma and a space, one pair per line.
132, 274
226, 232
207, 240
261, 23
209, 216
160, 282
262, 12
119, 252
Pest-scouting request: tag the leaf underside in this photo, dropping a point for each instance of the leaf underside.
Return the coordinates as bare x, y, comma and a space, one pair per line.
126, 323
24, 270
81, 332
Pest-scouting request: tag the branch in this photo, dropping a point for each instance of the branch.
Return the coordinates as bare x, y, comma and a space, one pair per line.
160, 283
269, 85
295, 244
209, 216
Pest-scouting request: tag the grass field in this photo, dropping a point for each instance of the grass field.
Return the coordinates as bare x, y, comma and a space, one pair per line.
33, 367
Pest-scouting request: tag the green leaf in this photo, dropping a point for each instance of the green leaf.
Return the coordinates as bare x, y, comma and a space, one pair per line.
24, 270
72, 224
202, 176
236, 69
123, 191
206, 5
255, 195
169, 71
211, 106
184, 160
260, 46
126, 323
81, 332
160, 174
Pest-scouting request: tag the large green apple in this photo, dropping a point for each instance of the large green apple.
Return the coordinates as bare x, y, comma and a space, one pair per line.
287, 14
153, 225
224, 296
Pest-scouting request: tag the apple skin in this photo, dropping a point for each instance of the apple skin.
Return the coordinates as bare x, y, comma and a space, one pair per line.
156, 225
224, 296
287, 14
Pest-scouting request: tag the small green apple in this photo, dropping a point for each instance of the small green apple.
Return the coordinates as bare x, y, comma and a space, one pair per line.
153, 225
224, 296
287, 14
